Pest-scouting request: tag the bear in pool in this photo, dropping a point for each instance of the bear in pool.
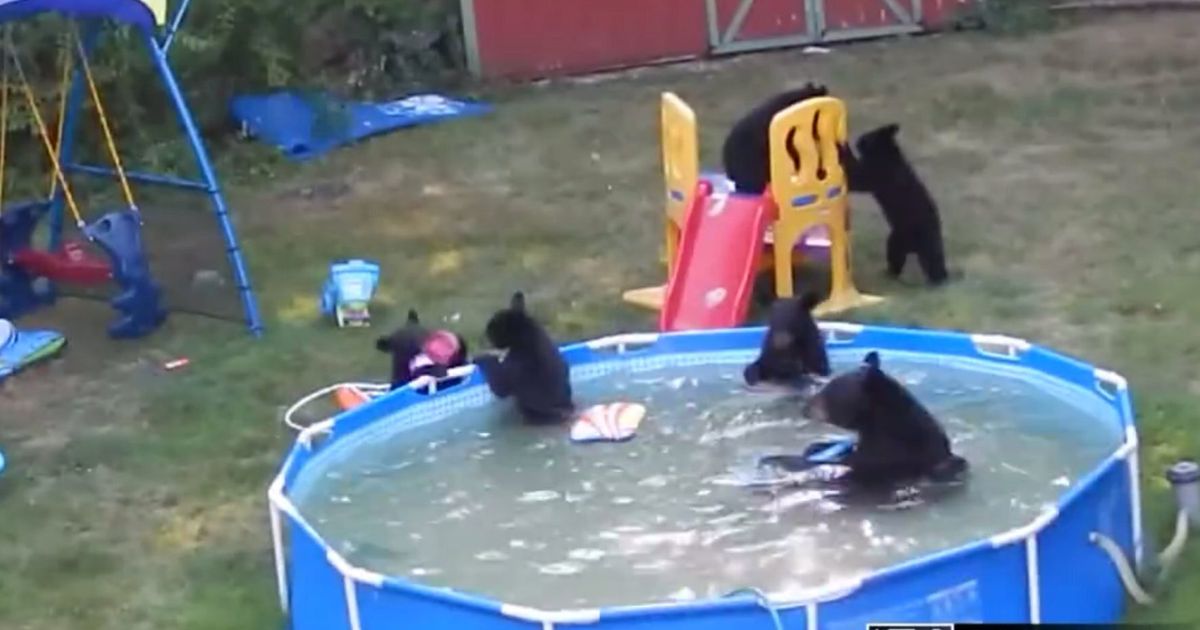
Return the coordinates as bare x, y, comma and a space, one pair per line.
792, 350
417, 351
899, 440
532, 371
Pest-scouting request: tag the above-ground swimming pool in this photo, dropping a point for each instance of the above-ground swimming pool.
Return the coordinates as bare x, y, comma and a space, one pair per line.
997, 558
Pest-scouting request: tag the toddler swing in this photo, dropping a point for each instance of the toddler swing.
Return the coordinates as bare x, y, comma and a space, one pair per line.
117, 234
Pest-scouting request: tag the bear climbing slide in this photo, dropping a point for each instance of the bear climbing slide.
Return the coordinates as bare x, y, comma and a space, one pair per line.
713, 275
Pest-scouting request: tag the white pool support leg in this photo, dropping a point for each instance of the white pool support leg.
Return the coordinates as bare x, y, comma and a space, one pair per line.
351, 575
352, 603
810, 614
1031, 575
1135, 495
280, 565
1027, 534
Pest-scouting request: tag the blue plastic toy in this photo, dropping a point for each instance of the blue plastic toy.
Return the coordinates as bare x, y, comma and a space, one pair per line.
21, 348
1, 462
292, 121
346, 294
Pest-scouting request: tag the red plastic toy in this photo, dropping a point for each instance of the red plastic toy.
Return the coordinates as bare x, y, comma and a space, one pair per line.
71, 264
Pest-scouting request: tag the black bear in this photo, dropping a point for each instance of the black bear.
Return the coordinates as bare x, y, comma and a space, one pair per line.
792, 350
417, 351
898, 439
746, 154
531, 370
882, 169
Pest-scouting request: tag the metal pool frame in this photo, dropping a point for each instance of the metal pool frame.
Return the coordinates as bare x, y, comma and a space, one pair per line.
1049, 570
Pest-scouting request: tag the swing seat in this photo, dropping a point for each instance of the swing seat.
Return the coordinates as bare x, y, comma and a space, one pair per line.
17, 224
71, 264
139, 304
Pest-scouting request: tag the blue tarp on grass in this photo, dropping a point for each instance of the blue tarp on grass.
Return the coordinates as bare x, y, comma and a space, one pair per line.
304, 126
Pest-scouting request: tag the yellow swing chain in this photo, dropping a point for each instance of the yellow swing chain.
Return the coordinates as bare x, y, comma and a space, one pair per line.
43, 133
4, 122
108, 137
66, 56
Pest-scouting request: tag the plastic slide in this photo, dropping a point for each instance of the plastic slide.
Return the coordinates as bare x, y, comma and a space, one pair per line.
713, 275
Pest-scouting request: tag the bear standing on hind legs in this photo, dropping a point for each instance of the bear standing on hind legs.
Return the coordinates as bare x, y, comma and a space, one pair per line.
882, 169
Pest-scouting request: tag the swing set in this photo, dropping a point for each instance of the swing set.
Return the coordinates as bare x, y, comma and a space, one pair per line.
29, 274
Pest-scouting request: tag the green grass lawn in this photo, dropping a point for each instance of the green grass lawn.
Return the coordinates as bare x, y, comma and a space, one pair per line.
1064, 163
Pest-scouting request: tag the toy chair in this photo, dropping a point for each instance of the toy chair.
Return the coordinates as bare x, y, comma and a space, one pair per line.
816, 200
681, 171
347, 292
815, 194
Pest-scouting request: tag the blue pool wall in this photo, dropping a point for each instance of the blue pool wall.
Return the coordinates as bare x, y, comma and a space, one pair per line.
1047, 571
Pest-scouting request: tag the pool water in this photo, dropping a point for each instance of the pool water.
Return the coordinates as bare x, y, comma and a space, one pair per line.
483, 504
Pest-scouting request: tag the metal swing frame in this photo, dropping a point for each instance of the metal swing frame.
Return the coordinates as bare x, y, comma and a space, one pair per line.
158, 45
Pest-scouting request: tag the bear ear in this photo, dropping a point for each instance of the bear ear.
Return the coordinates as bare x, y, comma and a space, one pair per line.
872, 360
412, 316
383, 344
518, 302
809, 300
890, 131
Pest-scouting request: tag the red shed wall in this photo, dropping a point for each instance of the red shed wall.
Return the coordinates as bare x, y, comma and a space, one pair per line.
524, 39
536, 38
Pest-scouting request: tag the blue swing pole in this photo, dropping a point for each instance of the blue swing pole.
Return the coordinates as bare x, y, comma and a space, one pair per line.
232, 249
70, 125
173, 28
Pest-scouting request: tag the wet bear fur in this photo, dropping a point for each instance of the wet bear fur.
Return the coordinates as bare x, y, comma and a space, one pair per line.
882, 169
793, 350
407, 343
899, 441
531, 370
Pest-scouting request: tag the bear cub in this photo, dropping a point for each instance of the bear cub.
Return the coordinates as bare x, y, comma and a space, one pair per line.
417, 351
531, 370
746, 153
882, 169
792, 351
899, 441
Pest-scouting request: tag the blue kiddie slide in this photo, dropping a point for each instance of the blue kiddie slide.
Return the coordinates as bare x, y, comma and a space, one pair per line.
21, 348
305, 126
347, 292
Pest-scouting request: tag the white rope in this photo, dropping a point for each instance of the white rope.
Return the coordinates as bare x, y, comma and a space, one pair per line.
324, 391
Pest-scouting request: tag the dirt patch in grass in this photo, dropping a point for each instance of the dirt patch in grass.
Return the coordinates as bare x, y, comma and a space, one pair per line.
1063, 163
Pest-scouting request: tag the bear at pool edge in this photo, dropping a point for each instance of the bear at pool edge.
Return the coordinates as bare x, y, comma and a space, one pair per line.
532, 370
898, 439
792, 350
417, 351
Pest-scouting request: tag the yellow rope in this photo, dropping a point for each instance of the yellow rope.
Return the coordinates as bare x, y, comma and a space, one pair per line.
43, 133
108, 137
64, 86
